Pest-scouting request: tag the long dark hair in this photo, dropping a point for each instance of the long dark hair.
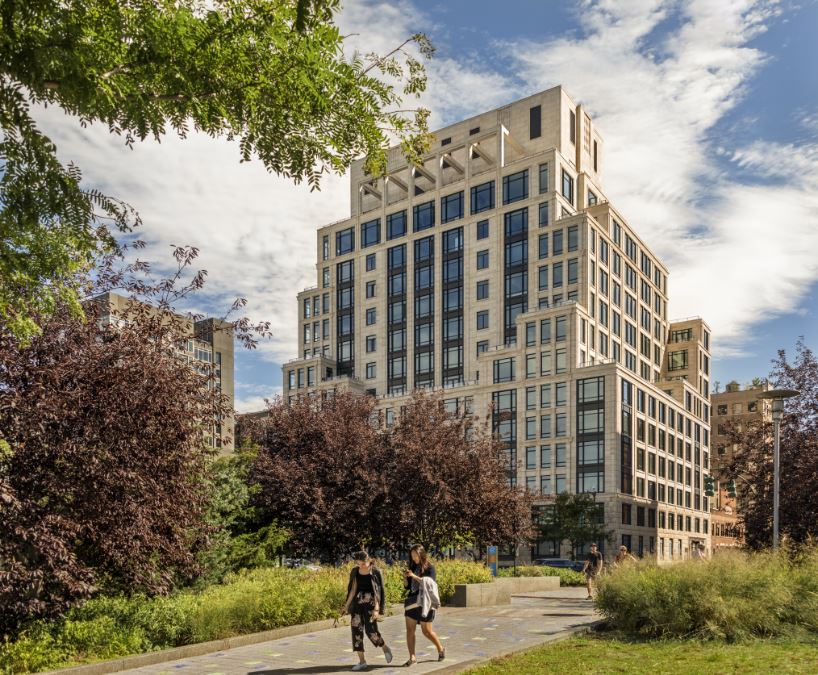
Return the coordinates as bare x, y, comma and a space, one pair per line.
423, 559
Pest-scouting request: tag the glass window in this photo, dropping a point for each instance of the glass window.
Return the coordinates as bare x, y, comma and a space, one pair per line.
483, 320
535, 121
573, 271
573, 238
453, 240
396, 256
504, 370
543, 214
516, 222
482, 197
482, 260
556, 275
371, 233
423, 334
424, 251
482, 229
482, 290
516, 253
370, 289
371, 315
482, 346
424, 306
325, 247
515, 187
556, 240
344, 241
370, 370
396, 225
543, 278
543, 246
543, 178
568, 186
423, 216
451, 207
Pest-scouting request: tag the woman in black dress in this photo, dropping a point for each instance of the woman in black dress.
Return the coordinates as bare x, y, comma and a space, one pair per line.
365, 599
419, 567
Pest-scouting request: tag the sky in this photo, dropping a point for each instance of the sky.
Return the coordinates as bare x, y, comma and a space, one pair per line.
708, 109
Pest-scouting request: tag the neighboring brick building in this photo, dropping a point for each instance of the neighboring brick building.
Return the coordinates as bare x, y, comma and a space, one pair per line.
737, 406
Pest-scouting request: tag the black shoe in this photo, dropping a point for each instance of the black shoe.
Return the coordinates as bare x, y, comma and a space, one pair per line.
441, 655
410, 662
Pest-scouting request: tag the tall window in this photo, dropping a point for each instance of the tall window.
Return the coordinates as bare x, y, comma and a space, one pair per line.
515, 187
344, 241
451, 207
568, 186
535, 121
423, 216
396, 225
482, 197
371, 233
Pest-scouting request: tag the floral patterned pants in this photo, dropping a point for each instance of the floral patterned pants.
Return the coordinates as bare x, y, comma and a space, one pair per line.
363, 607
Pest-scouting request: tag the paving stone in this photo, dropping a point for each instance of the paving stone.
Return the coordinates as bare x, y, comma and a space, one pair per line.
467, 634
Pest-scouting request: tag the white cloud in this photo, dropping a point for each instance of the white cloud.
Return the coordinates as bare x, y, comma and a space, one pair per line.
655, 99
738, 252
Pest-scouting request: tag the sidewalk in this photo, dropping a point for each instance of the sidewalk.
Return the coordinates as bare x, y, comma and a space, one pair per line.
468, 635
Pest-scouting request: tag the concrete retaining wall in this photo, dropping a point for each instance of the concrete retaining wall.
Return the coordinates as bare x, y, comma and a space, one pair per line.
499, 591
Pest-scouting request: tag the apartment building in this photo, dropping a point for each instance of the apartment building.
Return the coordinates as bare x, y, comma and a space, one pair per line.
499, 272
733, 406
210, 344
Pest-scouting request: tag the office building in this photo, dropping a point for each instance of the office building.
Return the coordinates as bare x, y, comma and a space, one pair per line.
210, 344
498, 271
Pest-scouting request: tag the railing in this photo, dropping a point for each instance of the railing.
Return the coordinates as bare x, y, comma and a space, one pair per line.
687, 318
596, 362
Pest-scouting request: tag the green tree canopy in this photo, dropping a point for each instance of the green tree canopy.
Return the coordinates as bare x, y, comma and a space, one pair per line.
271, 74
575, 519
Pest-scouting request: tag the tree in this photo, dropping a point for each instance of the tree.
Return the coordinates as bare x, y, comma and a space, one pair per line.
752, 464
574, 518
105, 448
448, 484
269, 73
328, 474
320, 473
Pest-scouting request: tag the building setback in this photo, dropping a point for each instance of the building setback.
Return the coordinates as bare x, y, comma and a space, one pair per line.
498, 271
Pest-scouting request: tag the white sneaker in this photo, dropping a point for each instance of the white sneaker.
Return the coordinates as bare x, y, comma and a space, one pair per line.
387, 654
358, 667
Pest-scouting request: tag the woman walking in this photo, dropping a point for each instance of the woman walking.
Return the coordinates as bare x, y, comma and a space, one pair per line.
419, 568
365, 598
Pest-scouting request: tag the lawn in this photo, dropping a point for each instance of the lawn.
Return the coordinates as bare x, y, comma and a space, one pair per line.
612, 655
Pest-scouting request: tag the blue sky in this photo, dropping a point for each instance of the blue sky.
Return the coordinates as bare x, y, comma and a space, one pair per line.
709, 111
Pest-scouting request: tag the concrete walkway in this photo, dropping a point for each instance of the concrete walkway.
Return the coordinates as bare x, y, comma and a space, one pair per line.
469, 635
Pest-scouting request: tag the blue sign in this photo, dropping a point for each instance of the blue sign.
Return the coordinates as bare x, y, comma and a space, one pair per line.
491, 560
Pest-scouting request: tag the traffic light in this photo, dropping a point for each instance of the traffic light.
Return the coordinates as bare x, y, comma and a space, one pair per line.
731, 488
709, 486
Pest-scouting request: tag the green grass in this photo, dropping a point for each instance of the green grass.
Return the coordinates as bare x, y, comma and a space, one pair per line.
672, 657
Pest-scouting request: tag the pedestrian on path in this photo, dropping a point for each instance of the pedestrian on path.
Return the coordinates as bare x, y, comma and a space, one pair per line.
593, 566
623, 556
417, 609
365, 598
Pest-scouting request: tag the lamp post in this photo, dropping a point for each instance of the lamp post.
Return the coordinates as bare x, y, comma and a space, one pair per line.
777, 396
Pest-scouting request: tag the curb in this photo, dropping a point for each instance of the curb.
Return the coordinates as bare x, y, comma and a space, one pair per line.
200, 648
463, 666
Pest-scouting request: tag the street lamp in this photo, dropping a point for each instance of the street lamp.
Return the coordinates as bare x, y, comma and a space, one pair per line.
777, 396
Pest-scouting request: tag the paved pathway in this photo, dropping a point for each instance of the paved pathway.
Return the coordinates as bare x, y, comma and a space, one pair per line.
467, 634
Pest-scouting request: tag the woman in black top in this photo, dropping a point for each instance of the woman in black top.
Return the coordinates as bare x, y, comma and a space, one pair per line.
365, 598
420, 567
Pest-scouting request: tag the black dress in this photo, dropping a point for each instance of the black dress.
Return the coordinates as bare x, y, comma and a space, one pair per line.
411, 607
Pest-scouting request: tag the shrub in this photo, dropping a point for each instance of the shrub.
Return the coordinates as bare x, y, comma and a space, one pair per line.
247, 602
567, 577
734, 596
